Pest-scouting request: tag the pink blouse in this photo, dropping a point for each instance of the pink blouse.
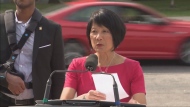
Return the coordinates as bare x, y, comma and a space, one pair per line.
130, 75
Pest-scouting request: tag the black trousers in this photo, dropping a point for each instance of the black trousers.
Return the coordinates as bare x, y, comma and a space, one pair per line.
4, 102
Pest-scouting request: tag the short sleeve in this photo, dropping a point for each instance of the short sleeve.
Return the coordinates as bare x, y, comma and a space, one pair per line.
137, 83
71, 77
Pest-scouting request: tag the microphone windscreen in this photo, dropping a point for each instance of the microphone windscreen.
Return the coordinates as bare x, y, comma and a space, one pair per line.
91, 62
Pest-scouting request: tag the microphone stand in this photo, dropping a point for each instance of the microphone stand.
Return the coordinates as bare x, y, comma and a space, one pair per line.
90, 64
47, 89
49, 82
115, 90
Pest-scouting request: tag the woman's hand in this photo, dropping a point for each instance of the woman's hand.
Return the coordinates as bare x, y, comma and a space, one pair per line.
132, 101
138, 98
94, 95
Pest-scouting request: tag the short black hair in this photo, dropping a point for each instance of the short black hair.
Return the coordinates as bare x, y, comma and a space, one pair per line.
111, 21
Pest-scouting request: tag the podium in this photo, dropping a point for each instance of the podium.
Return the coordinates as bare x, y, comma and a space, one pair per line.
80, 103
83, 103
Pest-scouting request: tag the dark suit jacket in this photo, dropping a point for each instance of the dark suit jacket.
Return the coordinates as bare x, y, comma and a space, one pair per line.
45, 60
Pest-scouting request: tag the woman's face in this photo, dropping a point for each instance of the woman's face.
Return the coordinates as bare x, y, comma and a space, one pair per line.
101, 38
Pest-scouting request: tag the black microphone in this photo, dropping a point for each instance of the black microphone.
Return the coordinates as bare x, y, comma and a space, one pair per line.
90, 64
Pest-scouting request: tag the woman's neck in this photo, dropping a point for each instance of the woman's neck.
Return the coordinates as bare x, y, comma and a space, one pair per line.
106, 59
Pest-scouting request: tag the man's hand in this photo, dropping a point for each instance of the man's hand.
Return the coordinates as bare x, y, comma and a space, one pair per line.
15, 84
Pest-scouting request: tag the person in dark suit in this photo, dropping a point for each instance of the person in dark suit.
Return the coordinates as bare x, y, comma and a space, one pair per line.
39, 57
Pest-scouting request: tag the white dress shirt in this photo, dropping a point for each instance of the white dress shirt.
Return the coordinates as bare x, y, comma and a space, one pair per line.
23, 62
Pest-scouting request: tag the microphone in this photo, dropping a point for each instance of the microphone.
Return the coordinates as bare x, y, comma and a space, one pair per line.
91, 62
90, 65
